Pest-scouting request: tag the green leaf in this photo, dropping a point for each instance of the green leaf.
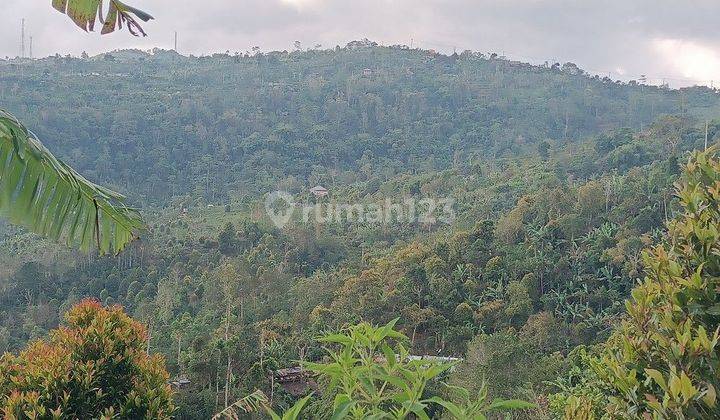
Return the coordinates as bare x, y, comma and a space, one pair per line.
294, 412
389, 355
461, 392
418, 409
657, 377
452, 408
435, 369
395, 381
85, 12
510, 405
342, 405
48, 197
686, 387
710, 396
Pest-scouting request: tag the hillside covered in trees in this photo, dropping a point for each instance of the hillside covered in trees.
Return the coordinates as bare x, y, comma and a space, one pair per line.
250, 122
558, 179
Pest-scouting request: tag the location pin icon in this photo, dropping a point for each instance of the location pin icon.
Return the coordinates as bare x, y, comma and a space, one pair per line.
280, 206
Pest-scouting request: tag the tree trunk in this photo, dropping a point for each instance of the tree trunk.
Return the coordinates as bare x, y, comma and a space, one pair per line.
229, 358
179, 348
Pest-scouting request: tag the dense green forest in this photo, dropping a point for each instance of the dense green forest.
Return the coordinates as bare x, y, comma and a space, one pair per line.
559, 180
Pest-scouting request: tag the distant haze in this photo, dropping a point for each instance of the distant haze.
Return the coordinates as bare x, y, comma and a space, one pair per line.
675, 41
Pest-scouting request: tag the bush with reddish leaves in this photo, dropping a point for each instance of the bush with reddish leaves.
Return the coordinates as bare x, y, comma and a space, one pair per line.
94, 367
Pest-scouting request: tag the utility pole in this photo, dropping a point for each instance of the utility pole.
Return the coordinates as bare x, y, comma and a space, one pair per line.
22, 39
175, 41
31, 53
682, 102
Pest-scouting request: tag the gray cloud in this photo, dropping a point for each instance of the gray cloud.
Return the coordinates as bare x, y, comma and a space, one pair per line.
609, 36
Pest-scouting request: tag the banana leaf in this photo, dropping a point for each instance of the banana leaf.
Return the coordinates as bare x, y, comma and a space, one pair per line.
45, 195
85, 13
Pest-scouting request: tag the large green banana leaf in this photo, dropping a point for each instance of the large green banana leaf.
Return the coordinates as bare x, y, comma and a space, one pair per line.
85, 12
47, 196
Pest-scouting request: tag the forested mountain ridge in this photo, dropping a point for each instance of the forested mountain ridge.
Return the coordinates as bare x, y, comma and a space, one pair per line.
559, 180
249, 122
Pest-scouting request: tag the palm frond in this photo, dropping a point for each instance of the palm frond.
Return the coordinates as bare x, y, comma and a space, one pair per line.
249, 404
85, 12
47, 196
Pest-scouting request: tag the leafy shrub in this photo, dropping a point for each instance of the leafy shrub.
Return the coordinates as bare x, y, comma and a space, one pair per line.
94, 367
370, 374
663, 361
581, 393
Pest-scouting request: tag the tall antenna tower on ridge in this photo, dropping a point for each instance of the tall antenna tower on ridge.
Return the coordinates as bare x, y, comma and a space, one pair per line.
22, 39
31, 54
175, 41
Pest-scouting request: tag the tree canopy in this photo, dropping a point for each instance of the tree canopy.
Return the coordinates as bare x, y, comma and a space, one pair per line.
94, 366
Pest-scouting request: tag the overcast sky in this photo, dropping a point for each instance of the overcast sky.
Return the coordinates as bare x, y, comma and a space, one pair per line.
678, 41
